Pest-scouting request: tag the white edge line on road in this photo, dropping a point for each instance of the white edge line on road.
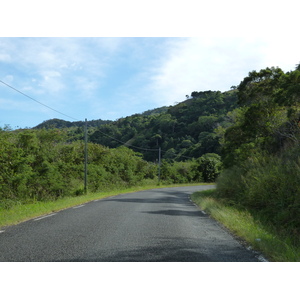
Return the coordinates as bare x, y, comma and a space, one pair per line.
43, 217
78, 206
261, 258
197, 206
1, 231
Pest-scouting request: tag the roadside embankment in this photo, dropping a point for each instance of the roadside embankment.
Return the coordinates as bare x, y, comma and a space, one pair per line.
248, 228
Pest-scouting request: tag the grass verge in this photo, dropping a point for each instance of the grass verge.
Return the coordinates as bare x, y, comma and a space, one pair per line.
246, 226
23, 212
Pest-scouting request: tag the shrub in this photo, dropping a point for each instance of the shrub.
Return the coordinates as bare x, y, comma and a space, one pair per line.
268, 185
209, 165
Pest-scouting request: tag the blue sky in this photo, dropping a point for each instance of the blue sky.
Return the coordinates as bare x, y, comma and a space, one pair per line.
113, 77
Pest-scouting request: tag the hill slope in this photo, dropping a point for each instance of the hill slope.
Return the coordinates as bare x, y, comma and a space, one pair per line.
185, 130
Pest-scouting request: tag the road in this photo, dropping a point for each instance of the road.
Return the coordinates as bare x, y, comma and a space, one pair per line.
154, 225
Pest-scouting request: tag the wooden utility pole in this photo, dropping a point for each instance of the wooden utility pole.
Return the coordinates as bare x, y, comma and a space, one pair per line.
159, 163
85, 157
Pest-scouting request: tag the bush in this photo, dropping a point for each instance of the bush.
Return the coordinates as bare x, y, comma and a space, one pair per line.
209, 165
41, 165
180, 172
268, 185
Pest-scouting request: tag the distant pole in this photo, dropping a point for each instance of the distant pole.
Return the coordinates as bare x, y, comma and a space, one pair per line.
85, 157
159, 163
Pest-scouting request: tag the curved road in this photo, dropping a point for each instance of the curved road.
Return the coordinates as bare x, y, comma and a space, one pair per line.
153, 225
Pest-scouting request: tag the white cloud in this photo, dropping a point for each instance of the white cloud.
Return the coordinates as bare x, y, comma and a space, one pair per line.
281, 51
199, 64
51, 82
114, 77
45, 58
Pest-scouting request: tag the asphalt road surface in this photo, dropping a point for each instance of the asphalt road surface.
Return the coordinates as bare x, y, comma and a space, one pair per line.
155, 225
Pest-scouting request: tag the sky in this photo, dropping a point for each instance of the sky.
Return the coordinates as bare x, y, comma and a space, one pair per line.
116, 73
110, 78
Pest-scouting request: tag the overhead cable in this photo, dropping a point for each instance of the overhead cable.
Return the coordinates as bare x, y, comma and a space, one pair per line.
145, 149
125, 144
38, 101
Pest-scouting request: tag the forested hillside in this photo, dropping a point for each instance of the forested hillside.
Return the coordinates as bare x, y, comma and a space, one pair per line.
260, 151
47, 162
57, 123
184, 131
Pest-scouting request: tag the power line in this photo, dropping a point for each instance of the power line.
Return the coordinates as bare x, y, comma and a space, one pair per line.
125, 144
145, 149
11, 87
38, 101
178, 154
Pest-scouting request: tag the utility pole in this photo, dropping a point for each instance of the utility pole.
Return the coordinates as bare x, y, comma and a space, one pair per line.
159, 163
85, 157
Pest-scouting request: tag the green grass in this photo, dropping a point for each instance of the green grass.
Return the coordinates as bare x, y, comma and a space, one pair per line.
23, 212
246, 226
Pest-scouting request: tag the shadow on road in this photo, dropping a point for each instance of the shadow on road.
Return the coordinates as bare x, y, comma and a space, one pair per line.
177, 212
176, 250
166, 200
153, 196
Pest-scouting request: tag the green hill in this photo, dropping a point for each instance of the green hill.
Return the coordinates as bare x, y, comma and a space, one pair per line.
58, 123
185, 130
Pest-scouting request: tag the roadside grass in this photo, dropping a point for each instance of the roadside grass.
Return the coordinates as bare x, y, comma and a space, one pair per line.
23, 212
247, 226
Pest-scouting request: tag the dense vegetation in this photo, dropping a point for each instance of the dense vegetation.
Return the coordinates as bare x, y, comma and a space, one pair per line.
260, 151
58, 123
47, 162
53, 152
183, 131
39, 165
